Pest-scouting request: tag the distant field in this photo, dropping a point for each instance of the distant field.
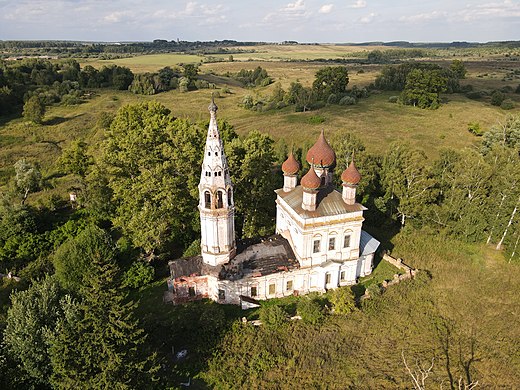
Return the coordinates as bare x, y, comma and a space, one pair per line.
147, 63
374, 120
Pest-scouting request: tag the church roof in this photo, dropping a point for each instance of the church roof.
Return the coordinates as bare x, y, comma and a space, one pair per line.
311, 180
290, 166
274, 254
321, 154
330, 203
351, 175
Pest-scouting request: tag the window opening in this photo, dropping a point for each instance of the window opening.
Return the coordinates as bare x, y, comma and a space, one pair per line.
332, 243
272, 289
289, 285
316, 246
254, 291
346, 241
220, 203
207, 199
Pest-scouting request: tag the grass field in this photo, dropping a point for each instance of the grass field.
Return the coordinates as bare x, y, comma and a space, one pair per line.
374, 120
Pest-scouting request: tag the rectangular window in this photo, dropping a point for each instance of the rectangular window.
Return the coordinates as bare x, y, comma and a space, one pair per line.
342, 275
316, 246
327, 278
332, 243
254, 291
191, 291
346, 241
272, 289
289, 285
221, 294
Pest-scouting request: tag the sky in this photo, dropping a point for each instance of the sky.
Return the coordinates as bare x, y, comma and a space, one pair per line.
323, 21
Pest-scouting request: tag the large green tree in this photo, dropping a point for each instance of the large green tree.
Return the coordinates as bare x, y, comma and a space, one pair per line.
34, 109
31, 323
73, 259
152, 162
251, 165
330, 80
100, 345
423, 87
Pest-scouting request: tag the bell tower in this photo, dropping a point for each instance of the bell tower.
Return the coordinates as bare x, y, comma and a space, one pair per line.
216, 206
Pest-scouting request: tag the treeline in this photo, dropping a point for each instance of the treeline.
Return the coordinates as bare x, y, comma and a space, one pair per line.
329, 87
36, 83
51, 83
89, 49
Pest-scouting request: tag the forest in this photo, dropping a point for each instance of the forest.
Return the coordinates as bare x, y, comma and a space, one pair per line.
98, 184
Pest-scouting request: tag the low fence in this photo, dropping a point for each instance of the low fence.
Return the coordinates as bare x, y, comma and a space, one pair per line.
409, 273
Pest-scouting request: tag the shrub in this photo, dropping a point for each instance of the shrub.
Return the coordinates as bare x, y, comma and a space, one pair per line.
475, 95
497, 98
342, 300
310, 311
272, 317
316, 119
507, 105
393, 99
347, 101
138, 275
332, 99
474, 128
517, 90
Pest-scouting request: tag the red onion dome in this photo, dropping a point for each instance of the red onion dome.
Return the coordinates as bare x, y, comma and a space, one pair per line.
321, 153
351, 175
290, 166
311, 181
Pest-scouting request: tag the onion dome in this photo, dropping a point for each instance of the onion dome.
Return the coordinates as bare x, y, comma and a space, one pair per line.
290, 166
311, 181
351, 175
322, 154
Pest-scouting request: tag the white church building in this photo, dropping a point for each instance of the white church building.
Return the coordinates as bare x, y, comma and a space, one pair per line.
319, 242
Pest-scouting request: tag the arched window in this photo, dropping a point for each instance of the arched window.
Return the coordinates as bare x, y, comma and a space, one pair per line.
220, 203
207, 199
229, 199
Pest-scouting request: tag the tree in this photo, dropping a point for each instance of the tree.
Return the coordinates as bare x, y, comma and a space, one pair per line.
34, 109
101, 345
31, 322
138, 275
406, 181
251, 163
423, 87
27, 178
458, 68
302, 97
73, 259
149, 156
75, 159
330, 80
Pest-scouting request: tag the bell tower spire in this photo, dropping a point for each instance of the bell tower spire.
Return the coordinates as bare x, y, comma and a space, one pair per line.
216, 206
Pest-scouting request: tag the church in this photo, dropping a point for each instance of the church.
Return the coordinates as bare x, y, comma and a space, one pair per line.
319, 242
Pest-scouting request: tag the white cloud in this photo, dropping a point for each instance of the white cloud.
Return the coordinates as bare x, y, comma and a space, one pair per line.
368, 18
291, 11
116, 17
424, 17
358, 4
298, 5
326, 8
